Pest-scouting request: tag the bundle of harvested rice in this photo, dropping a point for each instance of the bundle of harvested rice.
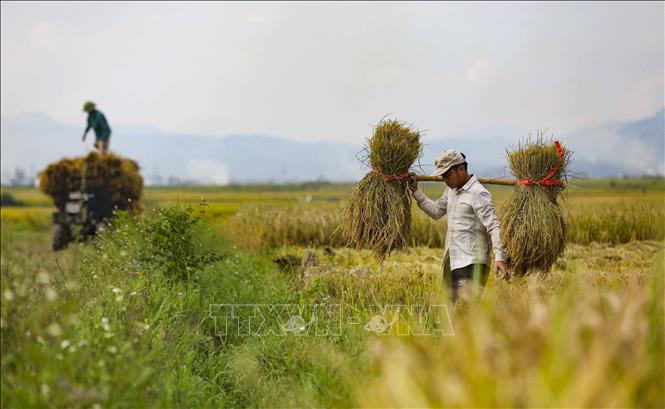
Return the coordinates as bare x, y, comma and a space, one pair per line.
533, 228
377, 215
120, 174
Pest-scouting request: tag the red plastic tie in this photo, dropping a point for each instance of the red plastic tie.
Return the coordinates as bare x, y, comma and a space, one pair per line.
391, 178
546, 180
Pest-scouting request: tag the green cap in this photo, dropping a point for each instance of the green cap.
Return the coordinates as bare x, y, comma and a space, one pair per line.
88, 106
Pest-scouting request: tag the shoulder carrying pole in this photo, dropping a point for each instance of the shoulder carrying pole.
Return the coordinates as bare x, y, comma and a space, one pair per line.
504, 182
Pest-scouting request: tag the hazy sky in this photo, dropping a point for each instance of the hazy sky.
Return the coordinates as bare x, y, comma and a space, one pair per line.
326, 71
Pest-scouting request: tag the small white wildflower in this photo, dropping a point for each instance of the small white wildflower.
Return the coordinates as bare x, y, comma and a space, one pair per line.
96, 406
64, 344
132, 293
142, 326
105, 324
112, 349
8, 294
108, 335
40, 339
54, 330
73, 319
101, 362
59, 357
42, 277
119, 298
45, 390
73, 285
105, 256
72, 349
50, 294
116, 290
123, 253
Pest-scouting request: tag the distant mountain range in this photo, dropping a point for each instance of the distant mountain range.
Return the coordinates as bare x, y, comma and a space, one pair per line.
31, 141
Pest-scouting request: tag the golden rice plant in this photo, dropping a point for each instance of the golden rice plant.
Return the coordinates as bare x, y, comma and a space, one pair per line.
310, 224
270, 226
592, 342
618, 223
533, 224
377, 214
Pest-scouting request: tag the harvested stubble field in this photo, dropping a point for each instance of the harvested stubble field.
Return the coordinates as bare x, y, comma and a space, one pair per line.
113, 323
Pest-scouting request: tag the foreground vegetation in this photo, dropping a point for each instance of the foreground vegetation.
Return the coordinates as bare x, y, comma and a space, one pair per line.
126, 320
74, 327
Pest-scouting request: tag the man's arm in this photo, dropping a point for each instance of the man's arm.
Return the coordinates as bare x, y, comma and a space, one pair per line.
484, 209
435, 210
87, 128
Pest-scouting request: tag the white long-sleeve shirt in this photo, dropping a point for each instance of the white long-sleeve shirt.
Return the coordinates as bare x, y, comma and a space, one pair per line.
472, 223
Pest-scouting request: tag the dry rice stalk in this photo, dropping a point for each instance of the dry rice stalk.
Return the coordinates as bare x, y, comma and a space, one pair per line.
120, 174
377, 215
533, 225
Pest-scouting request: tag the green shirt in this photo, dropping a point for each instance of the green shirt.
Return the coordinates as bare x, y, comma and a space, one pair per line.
97, 121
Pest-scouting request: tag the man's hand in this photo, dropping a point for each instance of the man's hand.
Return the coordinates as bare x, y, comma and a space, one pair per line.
501, 269
413, 182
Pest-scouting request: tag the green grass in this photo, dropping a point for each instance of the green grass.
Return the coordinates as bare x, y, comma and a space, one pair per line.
74, 326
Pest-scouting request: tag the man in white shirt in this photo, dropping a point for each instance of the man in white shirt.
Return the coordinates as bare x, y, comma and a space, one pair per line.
472, 225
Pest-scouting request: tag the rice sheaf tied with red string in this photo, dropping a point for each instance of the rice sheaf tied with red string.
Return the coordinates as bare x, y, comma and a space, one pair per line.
533, 226
377, 214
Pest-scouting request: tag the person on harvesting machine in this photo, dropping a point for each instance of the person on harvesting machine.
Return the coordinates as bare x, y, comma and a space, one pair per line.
97, 121
472, 225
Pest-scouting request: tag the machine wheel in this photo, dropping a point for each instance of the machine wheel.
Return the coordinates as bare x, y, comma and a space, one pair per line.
60, 237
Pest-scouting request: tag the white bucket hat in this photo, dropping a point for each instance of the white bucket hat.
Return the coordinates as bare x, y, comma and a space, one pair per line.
445, 161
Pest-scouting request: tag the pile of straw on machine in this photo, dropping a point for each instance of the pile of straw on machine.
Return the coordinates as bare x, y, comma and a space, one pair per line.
120, 174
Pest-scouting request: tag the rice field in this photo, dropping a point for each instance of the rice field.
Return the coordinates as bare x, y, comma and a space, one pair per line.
108, 324
265, 226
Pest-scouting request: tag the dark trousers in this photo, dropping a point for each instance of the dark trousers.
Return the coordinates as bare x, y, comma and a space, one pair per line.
467, 282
